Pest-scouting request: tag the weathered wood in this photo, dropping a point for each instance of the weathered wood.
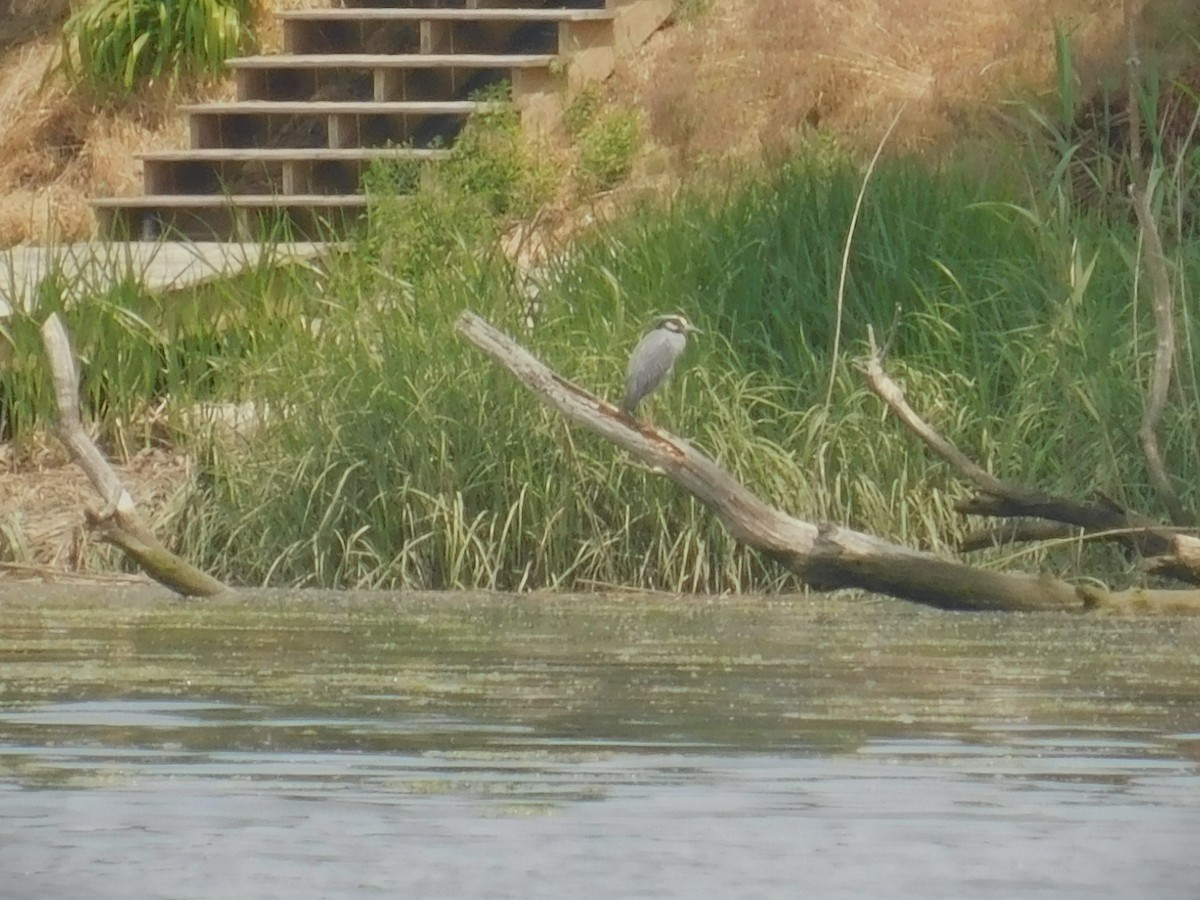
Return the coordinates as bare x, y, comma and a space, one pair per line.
118, 522
1142, 601
824, 556
1181, 559
1164, 355
395, 61
1165, 549
391, 14
1162, 302
1021, 532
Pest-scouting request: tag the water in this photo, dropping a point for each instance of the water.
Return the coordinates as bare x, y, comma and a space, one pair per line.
332, 745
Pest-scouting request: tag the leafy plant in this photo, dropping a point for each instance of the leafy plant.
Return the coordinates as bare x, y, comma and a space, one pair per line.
422, 213
581, 112
686, 10
607, 146
111, 46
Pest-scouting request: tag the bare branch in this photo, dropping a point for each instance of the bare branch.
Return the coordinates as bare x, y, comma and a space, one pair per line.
1164, 356
824, 556
1163, 302
1001, 499
118, 522
1024, 532
1141, 601
882, 385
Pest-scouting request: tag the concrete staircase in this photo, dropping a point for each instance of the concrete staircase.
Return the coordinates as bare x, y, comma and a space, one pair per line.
373, 80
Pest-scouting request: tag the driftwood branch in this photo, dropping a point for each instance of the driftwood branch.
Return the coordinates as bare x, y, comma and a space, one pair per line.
1163, 303
823, 556
118, 522
1167, 551
882, 385
1164, 355
1022, 532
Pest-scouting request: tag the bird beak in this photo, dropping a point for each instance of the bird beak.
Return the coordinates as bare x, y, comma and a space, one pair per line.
692, 329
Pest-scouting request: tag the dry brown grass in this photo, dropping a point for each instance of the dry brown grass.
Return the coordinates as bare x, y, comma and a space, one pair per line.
22, 21
748, 78
43, 496
754, 76
57, 149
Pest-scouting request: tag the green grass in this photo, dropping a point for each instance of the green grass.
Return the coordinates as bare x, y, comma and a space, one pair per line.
137, 347
398, 456
402, 457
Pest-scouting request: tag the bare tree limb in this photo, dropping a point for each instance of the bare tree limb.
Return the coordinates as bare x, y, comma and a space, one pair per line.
824, 556
1163, 302
1167, 550
118, 522
1141, 600
1164, 355
1133, 64
1022, 532
1180, 560
882, 385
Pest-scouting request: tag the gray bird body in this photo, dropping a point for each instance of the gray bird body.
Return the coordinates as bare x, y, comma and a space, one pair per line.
653, 359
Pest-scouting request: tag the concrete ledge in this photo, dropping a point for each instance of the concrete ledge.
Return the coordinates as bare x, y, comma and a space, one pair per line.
463, 14
93, 267
396, 61
636, 21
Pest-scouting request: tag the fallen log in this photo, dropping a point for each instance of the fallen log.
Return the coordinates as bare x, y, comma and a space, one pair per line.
825, 557
1164, 549
119, 521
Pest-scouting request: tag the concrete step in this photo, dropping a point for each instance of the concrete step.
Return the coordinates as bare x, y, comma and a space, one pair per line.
478, 4
213, 201
285, 171
225, 217
287, 154
393, 61
443, 14
378, 79
445, 31
161, 267
335, 107
348, 123
386, 77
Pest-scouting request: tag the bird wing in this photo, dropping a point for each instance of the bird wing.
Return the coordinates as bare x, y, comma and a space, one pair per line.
650, 364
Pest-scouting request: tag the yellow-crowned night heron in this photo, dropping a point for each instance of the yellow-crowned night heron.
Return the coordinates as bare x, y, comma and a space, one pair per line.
654, 357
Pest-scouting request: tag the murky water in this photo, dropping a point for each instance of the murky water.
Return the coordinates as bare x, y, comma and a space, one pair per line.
335, 745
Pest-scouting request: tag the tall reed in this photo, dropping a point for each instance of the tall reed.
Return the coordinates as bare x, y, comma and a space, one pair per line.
400, 457
395, 455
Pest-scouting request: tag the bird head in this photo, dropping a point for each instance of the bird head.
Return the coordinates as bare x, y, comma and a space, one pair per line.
676, 323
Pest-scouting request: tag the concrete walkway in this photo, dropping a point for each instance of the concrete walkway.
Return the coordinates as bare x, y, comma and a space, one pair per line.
91, 268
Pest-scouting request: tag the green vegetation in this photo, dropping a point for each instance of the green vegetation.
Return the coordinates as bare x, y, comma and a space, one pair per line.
421, 216
396, 455
136, 347
112, 46
686, 10
606, 139
402, 457
607, 148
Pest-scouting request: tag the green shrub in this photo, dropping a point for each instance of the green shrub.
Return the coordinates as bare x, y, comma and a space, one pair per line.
406, 459
581, 112
687, 10
421, 214
492, 160
607, 145
111, 46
